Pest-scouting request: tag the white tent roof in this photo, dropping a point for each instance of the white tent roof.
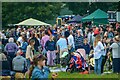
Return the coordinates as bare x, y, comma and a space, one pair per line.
32, 22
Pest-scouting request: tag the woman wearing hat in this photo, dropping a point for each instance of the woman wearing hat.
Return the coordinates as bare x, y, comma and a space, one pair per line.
116, 54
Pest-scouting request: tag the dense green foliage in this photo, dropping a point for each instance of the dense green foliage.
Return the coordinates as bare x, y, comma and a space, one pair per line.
13, 13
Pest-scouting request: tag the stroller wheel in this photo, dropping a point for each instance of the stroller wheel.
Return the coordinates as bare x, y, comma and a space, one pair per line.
68, 70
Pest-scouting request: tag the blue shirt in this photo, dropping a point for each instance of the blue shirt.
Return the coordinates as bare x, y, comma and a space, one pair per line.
62, 43
54, 32
87, 48
24, 47
40, 74
50, 45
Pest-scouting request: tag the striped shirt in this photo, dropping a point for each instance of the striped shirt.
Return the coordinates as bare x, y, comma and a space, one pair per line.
79, 40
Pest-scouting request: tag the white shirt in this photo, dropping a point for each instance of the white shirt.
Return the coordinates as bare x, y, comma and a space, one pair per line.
93, 38
71, 41
28, 34
115, 49
20, 40
98, 50
89, 35
104, 51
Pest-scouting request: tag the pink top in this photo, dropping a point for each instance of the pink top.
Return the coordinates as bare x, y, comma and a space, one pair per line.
44, 40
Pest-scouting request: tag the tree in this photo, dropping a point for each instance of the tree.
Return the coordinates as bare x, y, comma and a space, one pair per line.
13, 13
82, 7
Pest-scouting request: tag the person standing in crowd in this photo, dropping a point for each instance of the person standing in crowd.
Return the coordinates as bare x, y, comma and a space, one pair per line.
101, 31
24, 46
78, 40
94, 33
98, 51
69, 27
20, 37
54, 33
104, 55
38, 37
19, 63
7, 33
28, 34
11, 48
36, 42
18, 44
50, 46
49, 31
29, 52
110, 34
1, 46
86, 46
5, 69
15, 34
86, 31
62, 45
3, 38
66, 33
44, 39
18, 31
38, 69
71, 42
106, 31
90, 39
116, 54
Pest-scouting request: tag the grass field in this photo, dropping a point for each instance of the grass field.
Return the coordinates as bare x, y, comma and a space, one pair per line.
77, 75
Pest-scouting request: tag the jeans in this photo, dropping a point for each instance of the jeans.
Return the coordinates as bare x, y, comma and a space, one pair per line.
97, 67
28, 63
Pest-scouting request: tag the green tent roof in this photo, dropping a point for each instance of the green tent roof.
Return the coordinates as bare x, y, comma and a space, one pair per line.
98, 16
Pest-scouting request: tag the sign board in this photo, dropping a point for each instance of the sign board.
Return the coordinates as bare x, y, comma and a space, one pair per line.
118, 16
111, 16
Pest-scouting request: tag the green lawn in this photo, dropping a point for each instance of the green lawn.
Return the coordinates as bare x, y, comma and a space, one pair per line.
77, 75
66, 75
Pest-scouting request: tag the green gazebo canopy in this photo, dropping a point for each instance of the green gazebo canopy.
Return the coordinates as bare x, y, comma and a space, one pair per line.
98, 17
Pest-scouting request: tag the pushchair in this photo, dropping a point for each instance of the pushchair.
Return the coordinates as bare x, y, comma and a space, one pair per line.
77, 62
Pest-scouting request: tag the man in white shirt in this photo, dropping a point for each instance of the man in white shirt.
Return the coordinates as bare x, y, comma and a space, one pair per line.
28, 34
71, 42
62, 45
116, 54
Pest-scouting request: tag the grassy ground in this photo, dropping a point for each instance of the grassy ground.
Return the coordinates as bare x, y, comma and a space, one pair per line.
67, 75
77, 75
91, 75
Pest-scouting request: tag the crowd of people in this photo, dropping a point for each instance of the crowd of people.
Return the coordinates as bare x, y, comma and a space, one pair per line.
30, 49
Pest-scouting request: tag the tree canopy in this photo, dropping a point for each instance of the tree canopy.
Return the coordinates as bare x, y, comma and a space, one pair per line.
15, 12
